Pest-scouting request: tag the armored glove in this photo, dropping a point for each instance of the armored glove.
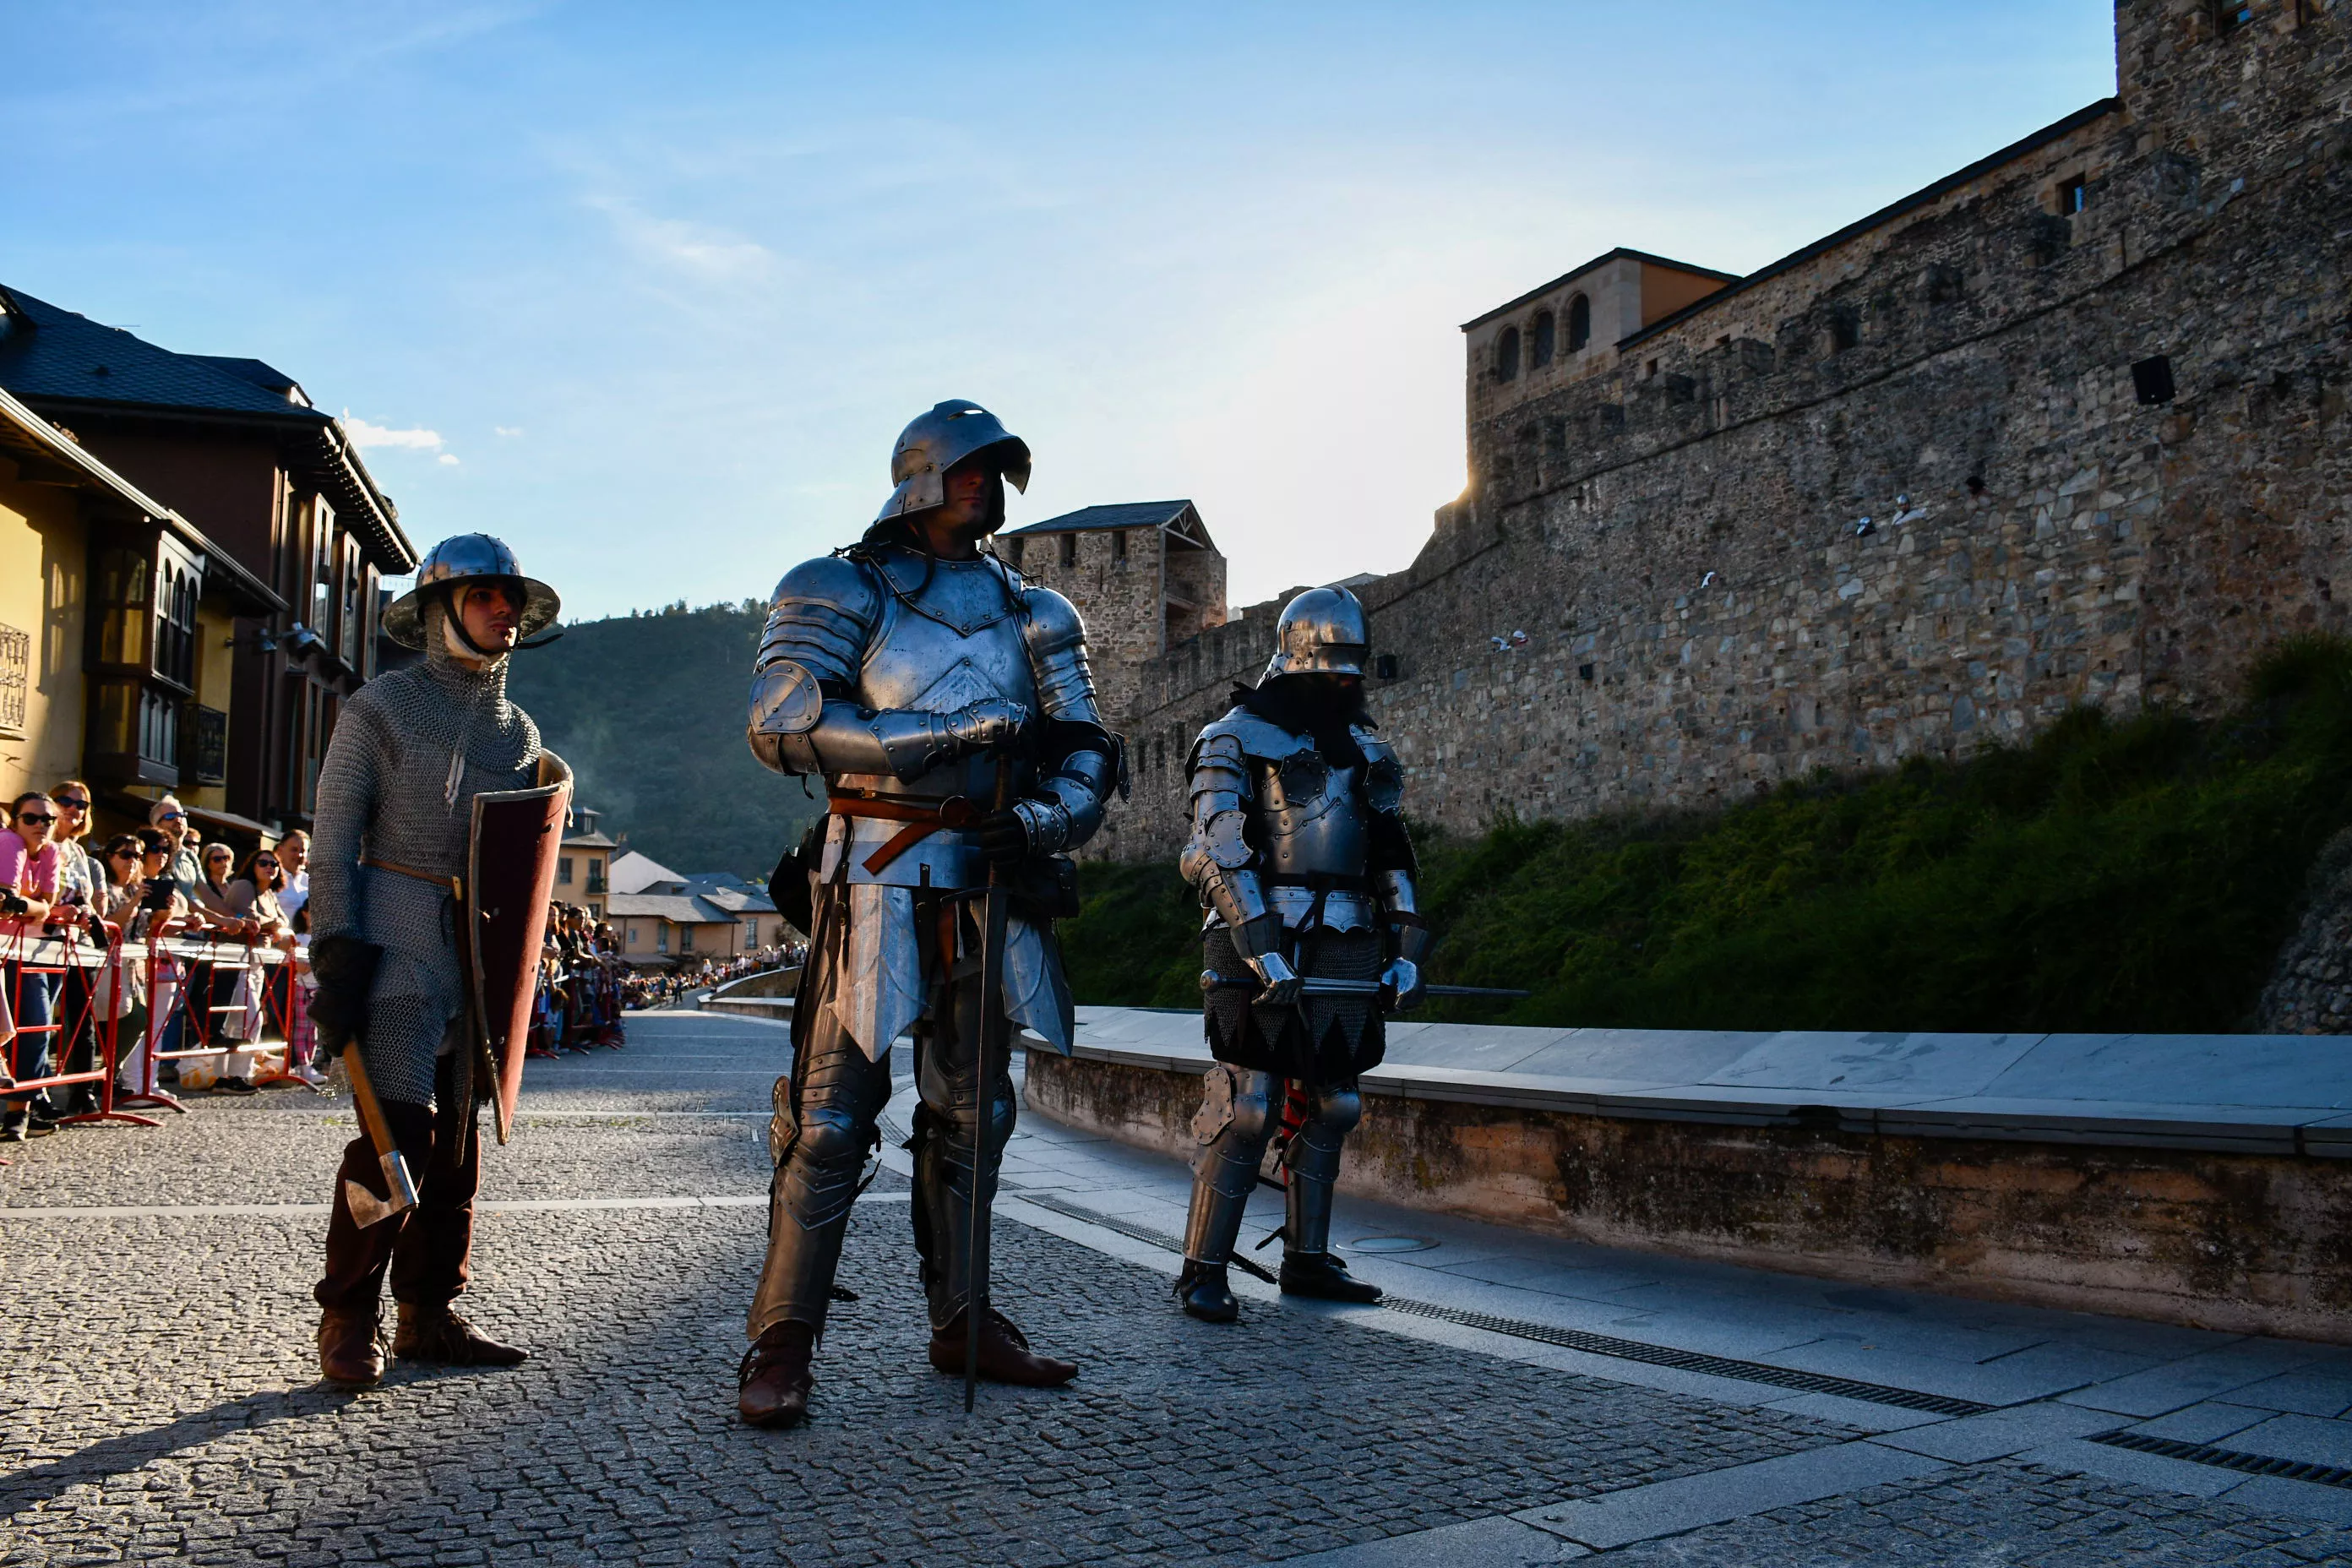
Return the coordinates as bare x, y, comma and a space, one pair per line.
1003, 838
1401, 986
990, 724
1274, 972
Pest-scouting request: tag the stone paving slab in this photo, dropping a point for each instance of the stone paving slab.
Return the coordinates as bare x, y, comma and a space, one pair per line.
163, 1403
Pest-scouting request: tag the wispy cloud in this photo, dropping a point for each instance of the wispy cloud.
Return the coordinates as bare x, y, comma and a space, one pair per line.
367, 437
506, 430
447, 460
701, 250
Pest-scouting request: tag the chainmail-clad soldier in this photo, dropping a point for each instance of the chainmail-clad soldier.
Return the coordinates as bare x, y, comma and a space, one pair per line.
914, 672
394, 817
1300, 854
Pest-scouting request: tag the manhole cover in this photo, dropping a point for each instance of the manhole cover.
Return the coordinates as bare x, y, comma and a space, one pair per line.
1391, 1244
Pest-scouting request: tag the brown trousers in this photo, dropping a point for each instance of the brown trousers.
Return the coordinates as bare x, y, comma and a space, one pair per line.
428, 1248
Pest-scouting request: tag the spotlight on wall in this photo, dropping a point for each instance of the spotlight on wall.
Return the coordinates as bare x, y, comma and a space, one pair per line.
301, 642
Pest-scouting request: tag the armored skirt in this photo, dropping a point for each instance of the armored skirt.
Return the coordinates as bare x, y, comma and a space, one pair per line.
1319, 1040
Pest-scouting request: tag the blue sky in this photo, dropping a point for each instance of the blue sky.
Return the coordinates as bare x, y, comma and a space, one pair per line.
649, 290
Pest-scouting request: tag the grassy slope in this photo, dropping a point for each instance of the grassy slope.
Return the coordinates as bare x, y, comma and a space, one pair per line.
649, 710
2107, 877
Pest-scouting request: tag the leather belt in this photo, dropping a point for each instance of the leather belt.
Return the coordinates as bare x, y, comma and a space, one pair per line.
455, 886
955, 813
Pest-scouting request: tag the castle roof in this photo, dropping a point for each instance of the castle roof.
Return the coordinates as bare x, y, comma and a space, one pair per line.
1622, 253
1127, 514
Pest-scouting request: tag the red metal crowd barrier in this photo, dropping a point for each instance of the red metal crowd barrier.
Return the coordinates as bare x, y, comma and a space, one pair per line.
188, 967
66, 954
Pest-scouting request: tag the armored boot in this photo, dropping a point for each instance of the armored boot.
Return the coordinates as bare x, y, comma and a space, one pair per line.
1203, 1292
1004, 1354
773, 1382
1237, 1113
1307, 1267
350, 1348
440, 1337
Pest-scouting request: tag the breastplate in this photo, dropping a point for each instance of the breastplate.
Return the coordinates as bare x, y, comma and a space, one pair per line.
938, 645
1311, 817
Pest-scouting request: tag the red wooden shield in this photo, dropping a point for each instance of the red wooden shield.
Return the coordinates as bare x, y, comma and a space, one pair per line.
510, 877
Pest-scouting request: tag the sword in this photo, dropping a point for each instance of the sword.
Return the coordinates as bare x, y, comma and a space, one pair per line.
994, 908
1211, 981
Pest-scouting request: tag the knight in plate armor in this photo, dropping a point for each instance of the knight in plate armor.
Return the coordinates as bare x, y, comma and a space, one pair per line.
947, 704
395, 819
1311, 932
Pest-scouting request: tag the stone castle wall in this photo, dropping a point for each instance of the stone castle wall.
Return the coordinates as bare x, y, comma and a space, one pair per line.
1679, 538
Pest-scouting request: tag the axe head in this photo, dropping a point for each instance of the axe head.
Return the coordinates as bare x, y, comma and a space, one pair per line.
367, 1208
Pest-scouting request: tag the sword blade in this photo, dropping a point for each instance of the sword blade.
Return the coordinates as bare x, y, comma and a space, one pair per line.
995, 909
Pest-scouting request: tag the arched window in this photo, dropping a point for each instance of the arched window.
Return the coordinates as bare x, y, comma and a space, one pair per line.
1507, 354
1579, 324
1539, 340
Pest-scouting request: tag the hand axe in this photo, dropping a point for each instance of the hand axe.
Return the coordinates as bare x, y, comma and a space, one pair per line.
365, 1206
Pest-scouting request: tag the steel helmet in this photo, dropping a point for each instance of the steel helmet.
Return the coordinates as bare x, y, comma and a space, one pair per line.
455, 559
938, 440
1322, 630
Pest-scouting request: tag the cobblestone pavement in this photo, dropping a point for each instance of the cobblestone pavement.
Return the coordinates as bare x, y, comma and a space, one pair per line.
158, 1397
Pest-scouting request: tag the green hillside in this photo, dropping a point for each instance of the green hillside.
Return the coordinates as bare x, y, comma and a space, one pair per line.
648, 710
2140, 875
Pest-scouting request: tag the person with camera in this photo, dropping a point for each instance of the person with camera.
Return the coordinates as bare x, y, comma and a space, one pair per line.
412, 750
170, 818
948, 705
28, 888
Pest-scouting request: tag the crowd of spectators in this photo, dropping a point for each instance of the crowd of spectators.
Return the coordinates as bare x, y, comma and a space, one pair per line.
201, 962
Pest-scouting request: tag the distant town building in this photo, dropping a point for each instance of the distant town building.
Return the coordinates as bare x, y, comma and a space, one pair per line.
662, 917
582, 861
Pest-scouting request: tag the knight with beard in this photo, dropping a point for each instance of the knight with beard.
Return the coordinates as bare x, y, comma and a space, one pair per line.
921, 678
1312, 932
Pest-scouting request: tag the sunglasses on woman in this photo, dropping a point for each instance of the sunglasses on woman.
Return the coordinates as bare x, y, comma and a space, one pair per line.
72, 803
125, 854
35, 817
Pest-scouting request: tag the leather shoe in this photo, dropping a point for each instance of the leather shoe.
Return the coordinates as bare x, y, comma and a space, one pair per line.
1203, 1292
773, 1382
350, 1348
438, 1335
1004, 1354
1324, 1276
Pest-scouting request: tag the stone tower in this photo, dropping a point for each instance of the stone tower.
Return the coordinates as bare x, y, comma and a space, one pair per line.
1145, 575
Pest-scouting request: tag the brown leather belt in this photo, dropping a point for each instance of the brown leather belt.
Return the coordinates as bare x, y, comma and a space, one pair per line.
455, 886
955, 813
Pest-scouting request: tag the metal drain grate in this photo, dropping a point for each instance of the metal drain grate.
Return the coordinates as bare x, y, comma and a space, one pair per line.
2228, 1459
1576, 1338
1693, 1361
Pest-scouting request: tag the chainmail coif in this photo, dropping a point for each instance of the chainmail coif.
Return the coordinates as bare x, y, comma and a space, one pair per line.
411, 751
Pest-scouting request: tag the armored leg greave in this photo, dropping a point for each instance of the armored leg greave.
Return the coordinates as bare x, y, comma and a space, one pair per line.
820, 1146
1238, 1112
1314, 1162
957, 1112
